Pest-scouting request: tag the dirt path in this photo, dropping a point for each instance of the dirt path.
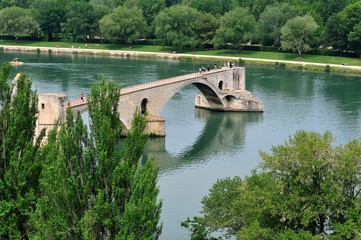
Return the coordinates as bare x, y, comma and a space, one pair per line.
161, 55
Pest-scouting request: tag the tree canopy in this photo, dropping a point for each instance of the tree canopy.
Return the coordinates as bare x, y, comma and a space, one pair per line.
298, 33
237, 27
20, 165
124, 24
11, 23
74, 185
303, 189
90, 189
177, 26
98, 20
271, 20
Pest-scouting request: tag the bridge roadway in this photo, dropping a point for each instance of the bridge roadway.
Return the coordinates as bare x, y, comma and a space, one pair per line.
78, 102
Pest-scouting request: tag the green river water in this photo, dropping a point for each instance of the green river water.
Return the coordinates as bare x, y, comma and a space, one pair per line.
202, 146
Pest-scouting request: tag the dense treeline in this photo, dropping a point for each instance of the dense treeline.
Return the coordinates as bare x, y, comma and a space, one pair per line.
78, 184
296, 25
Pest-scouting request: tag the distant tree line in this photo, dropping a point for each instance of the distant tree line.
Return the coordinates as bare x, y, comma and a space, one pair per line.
295, 25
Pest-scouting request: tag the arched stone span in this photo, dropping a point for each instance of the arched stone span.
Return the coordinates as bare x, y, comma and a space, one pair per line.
222, 90
158, 93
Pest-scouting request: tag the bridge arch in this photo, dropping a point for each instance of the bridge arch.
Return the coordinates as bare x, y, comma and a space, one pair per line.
143, 106
222, 90
209, 90
220, 85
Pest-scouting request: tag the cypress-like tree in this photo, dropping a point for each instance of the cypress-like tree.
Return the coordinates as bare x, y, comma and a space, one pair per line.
91, 189
19, 164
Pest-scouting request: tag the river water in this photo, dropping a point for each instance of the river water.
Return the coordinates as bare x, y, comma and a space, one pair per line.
202, 146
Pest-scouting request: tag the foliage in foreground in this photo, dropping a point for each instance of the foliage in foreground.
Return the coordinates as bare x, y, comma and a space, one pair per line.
304, 189
19, 156
90, 189
77, 185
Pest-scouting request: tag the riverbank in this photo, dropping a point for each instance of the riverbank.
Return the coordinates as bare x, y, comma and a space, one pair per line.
344, 68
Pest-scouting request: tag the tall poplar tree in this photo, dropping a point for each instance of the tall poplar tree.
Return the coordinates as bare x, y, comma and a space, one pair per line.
91, 189
19, 165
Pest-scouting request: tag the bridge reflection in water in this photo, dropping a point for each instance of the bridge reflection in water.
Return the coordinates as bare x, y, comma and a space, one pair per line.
222, 132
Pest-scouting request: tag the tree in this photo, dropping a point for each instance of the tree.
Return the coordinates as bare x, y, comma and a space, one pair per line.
271, 20
176, 26
298, 33
150, 9
91, 190
237, 27
334, 35
214, 7
354, 38
207, 25
80, 19
19, 162
350, 19
12, 24
304, 189
328, 8
125, 24
65, 181
303, 170
255, 7
109, 4
51, 16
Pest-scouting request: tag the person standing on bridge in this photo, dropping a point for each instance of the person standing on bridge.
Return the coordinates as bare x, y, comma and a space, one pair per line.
82, 96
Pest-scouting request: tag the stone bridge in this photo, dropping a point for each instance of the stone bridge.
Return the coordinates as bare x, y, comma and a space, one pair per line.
222, 90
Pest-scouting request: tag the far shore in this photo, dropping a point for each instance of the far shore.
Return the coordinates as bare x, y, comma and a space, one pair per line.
197, 57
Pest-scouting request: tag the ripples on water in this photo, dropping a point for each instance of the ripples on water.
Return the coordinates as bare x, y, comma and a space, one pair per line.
202, 146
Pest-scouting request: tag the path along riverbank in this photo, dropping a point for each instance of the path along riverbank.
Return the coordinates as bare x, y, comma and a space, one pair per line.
181, 56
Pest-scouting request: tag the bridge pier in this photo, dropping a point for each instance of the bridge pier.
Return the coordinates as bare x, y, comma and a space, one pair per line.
234, 101
155, 126
51, 108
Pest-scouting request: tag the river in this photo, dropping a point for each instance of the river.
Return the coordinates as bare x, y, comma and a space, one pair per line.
202, 146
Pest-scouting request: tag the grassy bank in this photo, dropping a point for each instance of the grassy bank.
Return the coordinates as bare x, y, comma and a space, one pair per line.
278, 56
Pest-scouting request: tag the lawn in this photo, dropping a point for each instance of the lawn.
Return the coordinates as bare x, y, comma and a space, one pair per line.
221, 52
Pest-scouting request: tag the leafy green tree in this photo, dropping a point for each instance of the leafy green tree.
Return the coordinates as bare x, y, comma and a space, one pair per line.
124, 197
354, 38
305, 189
176, 26
328, 8
80, 19
19, 162
16, 21
303, 170
334, 35
51, 16
100, 11
170, 3
124, 24
65, 181
237, 27
150, 9
350, 19
271, 20
207, 25
255, 7
90, 189
214, 7
109, 4
298, 33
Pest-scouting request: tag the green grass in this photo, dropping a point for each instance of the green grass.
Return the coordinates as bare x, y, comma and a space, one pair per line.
222, 52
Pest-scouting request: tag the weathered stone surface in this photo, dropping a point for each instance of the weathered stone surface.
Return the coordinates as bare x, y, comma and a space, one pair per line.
222, 90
